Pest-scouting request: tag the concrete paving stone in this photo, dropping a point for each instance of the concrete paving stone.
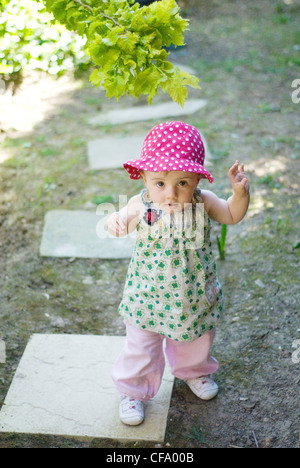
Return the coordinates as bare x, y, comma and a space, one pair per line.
63, 387
2, 352
185, 68
111, 153
142, 113
80, 234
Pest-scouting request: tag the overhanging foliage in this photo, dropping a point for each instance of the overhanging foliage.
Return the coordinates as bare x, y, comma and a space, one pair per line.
127, 44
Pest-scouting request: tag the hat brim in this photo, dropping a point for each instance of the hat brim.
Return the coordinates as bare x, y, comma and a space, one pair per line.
134, 166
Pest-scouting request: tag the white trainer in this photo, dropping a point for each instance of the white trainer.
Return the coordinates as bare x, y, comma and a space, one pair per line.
203, 387
131, 411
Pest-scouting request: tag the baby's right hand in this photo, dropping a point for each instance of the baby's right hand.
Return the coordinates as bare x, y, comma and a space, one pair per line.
116, 225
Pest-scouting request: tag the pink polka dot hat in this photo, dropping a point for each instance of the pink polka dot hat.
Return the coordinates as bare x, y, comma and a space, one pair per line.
170, 146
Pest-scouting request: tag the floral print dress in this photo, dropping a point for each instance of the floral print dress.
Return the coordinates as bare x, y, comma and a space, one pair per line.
171, 285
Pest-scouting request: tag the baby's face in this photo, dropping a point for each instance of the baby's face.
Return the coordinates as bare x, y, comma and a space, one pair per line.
171, 190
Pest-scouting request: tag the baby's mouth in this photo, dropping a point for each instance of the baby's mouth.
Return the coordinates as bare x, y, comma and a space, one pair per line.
171, 206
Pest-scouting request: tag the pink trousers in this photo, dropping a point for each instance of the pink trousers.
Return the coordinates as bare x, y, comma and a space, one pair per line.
139, 368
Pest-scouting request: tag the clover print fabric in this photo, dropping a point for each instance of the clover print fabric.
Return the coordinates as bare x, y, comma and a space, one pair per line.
170, 288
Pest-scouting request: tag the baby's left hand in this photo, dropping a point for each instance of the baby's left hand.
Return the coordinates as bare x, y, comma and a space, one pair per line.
240, 184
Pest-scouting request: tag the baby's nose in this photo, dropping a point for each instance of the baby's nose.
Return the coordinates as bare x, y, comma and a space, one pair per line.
171, 193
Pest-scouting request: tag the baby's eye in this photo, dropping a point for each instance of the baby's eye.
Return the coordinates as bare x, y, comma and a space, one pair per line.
182, 183
160, 184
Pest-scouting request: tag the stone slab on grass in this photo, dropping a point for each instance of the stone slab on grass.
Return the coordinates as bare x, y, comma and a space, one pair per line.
77, 234
185, 68
142, 113
111, 153
63, 387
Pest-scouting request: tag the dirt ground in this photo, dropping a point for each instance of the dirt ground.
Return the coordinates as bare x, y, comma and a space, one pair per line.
247, 55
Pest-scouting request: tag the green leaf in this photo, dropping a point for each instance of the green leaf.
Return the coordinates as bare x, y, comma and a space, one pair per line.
116, 85
59, 10
127, 42
97, 77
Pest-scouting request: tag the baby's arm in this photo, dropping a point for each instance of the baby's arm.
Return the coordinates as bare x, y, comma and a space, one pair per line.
125, 221
233, 210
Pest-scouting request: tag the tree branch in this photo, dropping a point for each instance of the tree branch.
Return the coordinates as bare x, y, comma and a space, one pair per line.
105, 16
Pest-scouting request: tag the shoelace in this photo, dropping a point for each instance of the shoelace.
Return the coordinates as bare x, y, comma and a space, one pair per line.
131, 406
200, 382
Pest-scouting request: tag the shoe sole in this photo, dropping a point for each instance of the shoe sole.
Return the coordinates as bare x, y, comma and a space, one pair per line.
132, 422
206, 395
210, 396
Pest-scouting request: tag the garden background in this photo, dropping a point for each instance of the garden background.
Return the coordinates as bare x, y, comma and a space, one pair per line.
247, 56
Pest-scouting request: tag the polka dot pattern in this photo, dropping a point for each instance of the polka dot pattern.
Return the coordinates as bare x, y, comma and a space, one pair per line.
170, 146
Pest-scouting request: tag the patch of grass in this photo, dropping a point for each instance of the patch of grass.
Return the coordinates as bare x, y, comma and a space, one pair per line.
49, 151
13, 142
79, 142
270, 180
99, 199
221, 241
196, 434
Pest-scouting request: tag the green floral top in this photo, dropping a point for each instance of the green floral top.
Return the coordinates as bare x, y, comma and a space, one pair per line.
171, 285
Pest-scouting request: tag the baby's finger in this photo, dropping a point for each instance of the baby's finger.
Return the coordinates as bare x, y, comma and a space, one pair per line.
245, 183
232, 170
121, 224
